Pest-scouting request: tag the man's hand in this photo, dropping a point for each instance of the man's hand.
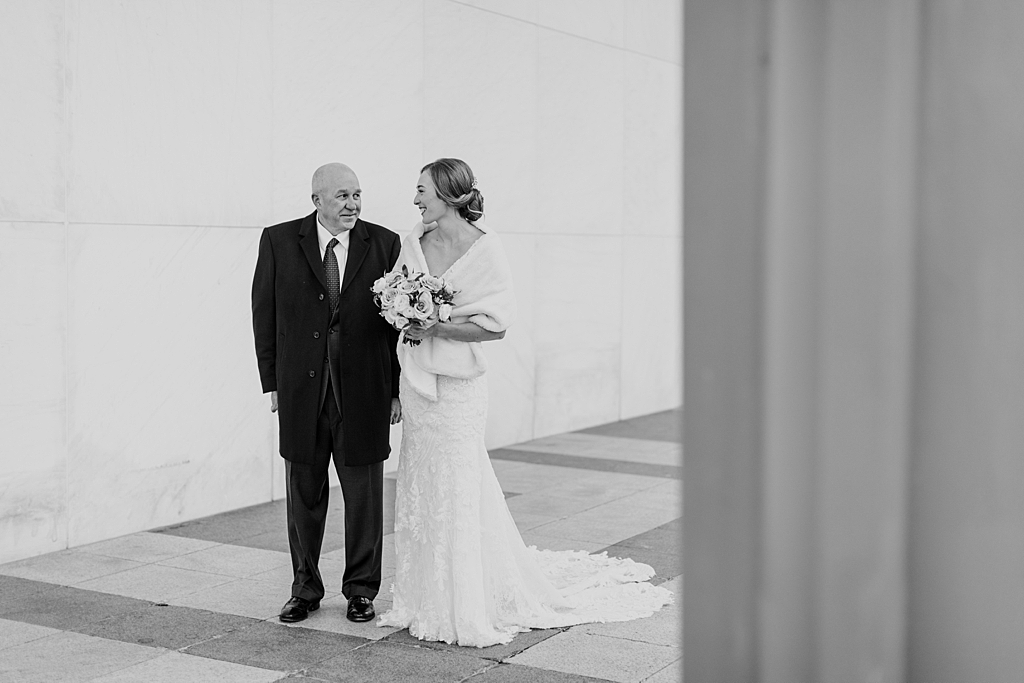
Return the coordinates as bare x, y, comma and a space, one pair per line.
273, 401
396, 411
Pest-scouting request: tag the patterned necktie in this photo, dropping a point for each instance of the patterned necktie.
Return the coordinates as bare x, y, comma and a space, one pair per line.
333, 276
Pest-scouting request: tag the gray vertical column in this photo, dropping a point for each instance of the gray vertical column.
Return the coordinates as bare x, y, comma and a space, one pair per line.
723, 177
966, 562
799, 233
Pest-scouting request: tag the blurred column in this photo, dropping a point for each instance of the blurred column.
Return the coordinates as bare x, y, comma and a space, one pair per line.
966, 551
800, 221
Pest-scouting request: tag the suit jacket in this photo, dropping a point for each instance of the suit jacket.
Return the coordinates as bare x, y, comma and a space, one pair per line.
298, 341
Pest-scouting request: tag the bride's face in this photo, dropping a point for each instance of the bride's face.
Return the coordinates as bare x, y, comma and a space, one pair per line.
430, 205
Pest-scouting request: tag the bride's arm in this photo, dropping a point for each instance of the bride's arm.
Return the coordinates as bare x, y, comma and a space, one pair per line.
467, 332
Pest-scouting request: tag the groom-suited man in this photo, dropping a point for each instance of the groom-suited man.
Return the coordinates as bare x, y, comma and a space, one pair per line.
329, 361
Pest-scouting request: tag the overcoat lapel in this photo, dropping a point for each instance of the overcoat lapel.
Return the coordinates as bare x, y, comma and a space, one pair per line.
311, 247
358, 245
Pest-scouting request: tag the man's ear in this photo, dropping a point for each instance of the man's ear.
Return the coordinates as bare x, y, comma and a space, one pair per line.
316, 200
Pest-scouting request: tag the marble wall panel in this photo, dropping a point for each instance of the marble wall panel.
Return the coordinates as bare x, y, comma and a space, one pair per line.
480, 105
526, 10
33, 446
167, 419
653, 168
652, 325
170, 112
33, 133
578, 318
655, 28
512, 360
348, 87
579, 136
598, 20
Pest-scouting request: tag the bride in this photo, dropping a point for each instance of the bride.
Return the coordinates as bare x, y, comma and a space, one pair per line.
463, 573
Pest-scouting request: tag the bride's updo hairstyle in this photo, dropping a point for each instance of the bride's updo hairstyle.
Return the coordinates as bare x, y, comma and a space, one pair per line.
456, 186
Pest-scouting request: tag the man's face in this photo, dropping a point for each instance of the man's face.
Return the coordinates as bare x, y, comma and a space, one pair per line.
339, 202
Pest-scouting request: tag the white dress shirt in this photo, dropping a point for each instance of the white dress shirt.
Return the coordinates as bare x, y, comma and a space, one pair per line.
324, 236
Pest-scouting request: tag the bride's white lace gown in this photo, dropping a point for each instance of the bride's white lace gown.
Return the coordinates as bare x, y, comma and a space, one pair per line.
463, 573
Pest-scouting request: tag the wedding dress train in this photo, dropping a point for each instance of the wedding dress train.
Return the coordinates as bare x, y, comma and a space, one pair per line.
463, 573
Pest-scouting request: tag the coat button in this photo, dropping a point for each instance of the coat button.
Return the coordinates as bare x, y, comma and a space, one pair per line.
321, 297
316, 335
331, 330
312, 373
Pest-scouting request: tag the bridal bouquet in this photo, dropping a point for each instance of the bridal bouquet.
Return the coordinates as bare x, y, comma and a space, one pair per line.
406, 297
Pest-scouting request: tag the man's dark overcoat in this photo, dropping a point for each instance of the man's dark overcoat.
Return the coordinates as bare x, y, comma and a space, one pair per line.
295, 335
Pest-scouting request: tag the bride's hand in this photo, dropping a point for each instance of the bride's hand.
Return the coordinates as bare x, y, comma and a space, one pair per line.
418, 332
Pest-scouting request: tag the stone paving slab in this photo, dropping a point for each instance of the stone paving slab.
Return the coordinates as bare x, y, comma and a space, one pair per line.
146, 547
607, 448
266, 645
67, 567
588, 463
166, 626
387, 662
174, 667
13, 633
332, 617
70, 658
673, 673
615, 659
66, 608
517, 673
155, 582
232, 560
664, 426
497, 653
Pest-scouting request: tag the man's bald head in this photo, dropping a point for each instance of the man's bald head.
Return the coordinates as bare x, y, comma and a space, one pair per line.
336, 196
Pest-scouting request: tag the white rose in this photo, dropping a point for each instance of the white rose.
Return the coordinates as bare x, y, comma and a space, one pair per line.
433, 284
444, 312
423, 305
403, 305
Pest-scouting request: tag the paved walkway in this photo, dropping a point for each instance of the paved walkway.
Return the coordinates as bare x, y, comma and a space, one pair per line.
198, 601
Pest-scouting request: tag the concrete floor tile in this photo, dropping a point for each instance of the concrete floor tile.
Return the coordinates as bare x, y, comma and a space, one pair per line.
274, 646
530, 477
67, 567
174, 667
66, 608
166, 626
497, 653
385, 662
659, 538
69, 658
526, 521
575, 529
154, 582
231, 560
242, 597
664, 426
664, 627
146, 547
13, 633
13, 587
615, 659
517, 673
627, 483
673, 673
608, 448
552, 503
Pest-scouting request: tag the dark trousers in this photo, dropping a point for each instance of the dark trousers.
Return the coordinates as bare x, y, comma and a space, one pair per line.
362, 488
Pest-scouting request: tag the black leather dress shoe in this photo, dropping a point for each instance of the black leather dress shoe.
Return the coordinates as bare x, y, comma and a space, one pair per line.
360, 608
298, 609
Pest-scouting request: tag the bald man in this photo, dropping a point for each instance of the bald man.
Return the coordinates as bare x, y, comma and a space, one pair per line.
328, 360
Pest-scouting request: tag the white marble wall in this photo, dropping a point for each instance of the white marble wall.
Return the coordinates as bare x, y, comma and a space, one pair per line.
149, 142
